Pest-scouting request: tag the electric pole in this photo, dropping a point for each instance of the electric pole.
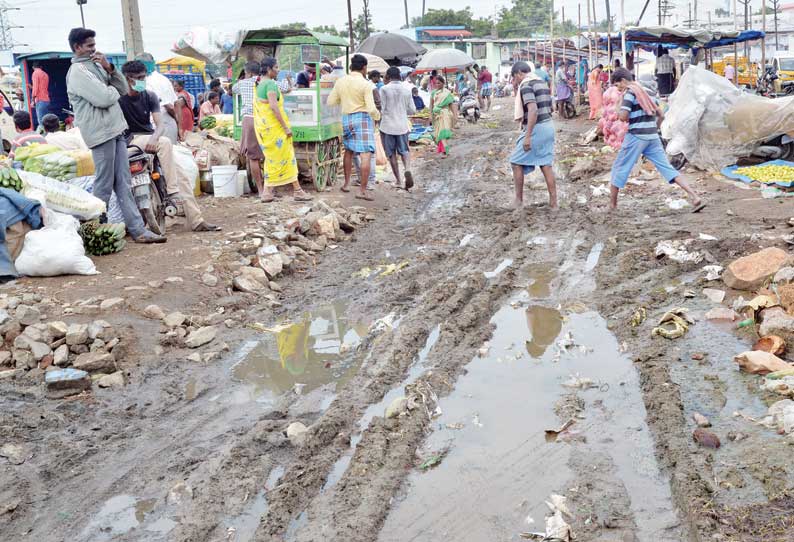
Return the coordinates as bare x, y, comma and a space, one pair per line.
133, 38
81, 3
6, 39
407, 22
350, 23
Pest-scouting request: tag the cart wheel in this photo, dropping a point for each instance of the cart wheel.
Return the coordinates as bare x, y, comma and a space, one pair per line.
318, 170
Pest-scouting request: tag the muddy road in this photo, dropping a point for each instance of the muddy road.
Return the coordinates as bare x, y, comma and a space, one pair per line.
495, 326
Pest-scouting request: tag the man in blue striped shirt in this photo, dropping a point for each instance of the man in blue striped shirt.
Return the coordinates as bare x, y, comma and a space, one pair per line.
644, 117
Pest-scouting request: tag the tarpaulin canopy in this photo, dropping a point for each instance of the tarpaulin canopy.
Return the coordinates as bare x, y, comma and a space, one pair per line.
650, 37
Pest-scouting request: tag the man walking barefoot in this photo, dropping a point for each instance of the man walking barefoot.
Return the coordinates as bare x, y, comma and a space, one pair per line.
644, 117
397, 104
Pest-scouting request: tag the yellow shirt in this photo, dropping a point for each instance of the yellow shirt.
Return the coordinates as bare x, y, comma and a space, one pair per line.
354, 94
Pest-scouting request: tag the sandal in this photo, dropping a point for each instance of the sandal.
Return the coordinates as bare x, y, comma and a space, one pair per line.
365, 197
343, 189
204, 226
301, 196
699, 207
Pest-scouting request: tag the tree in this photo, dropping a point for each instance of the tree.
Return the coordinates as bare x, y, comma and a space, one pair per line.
719, 12
479, 27
362, 25
527, 17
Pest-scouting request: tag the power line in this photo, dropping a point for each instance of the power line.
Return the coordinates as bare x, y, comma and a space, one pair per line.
6, 39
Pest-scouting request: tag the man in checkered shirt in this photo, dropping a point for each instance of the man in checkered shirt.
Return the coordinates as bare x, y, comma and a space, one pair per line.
665, 72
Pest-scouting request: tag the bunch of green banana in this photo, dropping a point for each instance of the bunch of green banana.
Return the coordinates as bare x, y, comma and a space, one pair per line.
102, 239
9, 178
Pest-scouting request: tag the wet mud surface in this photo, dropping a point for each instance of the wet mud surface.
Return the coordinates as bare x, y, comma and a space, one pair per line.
502, 326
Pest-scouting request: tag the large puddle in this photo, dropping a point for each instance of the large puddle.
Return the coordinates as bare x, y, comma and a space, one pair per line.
499, 467
304, 354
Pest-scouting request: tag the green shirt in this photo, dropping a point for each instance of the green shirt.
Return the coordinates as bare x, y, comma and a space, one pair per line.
266, 87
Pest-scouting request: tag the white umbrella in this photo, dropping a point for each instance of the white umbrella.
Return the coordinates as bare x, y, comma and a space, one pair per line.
373, 62
448, 60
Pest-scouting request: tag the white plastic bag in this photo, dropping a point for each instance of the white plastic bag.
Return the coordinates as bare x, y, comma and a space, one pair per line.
115, 216
62, 197
186, 164
56, 249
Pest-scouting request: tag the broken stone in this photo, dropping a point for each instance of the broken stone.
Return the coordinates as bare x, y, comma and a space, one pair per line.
155, 284
303, 211
22, 342
701, 420
9, 374
5, 357
275, 286
61, 355
750, 272
57, 329
39, 350
272, 265
784, 275
113, 380
209, 280
76, 334
706, 438
175, 319
210, 356
27, 315
98, 344
23, 359
95, 362
46, 361
154, 312
775, 321
246, 285
111, 303
715, 296
79, 348
174, 280
201, 336
254, 273
65, 382
4, 317
327, 226
15, 453
194, 357
100, 329
296, 432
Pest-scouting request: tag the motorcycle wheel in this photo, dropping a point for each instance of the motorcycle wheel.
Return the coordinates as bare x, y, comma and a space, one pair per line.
569, 110
154, 216
788, 152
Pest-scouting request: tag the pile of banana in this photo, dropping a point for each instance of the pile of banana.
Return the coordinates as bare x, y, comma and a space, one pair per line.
102, 239
673, 324
9, 178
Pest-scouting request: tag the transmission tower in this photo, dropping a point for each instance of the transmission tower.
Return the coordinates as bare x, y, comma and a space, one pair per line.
6, 39
666, 8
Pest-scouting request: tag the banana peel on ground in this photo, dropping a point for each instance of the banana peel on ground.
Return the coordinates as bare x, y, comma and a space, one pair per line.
673, 324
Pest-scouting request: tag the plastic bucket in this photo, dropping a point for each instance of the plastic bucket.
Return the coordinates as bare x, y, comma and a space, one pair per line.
242, 182
224, 181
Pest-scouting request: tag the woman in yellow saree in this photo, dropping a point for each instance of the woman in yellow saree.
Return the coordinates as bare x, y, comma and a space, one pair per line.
442, 114
275, 136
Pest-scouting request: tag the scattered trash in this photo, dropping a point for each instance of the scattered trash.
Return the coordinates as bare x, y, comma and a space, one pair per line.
552, 434
780, 416
455, 426
673, 324
701, 420
577, 382
383, 270
638, 317
706, 438
466, 239
434, 460
745, 323
677, 251
600, 190
382, 324
780, 382
262, 328
760, 302
676, 204
537, 241
398, 407
475, 420
721, 313
713, 272
504, 264
706, 237
483, 351
759, 362
772, 344
715, 296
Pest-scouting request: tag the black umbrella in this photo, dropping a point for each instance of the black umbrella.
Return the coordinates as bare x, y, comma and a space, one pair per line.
392, 46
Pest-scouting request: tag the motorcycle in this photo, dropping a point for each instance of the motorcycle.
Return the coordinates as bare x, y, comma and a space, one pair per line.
469, 106
148, 188
787, 88
566, 107
766, 83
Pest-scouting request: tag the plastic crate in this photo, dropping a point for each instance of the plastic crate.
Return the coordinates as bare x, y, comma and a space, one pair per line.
176, 69
194, 82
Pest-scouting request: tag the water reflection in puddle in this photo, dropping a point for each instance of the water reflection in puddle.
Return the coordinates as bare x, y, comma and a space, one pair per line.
540, 277
121, 514
500, 468
504, 264
246, 523
309, 352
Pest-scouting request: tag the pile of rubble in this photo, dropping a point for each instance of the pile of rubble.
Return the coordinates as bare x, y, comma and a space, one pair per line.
190, 331
274, 247
31, 344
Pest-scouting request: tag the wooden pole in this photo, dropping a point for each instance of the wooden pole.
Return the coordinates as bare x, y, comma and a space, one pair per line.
763, 41
579, 62
590, 36
735, 46
623, 31
551, 41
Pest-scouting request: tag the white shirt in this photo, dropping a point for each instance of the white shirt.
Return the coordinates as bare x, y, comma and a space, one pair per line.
730, 72
396, 104
67, 141
163, 87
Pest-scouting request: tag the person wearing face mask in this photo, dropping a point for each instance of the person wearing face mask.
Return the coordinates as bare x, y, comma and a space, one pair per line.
140, 106
94, 86
164, 89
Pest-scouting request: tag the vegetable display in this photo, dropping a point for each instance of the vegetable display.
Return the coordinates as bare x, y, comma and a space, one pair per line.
225, 131
768, 174
9, 178
103, 239
23, 154
63, 166
208, 123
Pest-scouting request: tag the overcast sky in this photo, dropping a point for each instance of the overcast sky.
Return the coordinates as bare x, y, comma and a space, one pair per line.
47, 22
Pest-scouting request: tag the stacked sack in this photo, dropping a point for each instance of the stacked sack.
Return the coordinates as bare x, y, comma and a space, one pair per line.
614, 130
